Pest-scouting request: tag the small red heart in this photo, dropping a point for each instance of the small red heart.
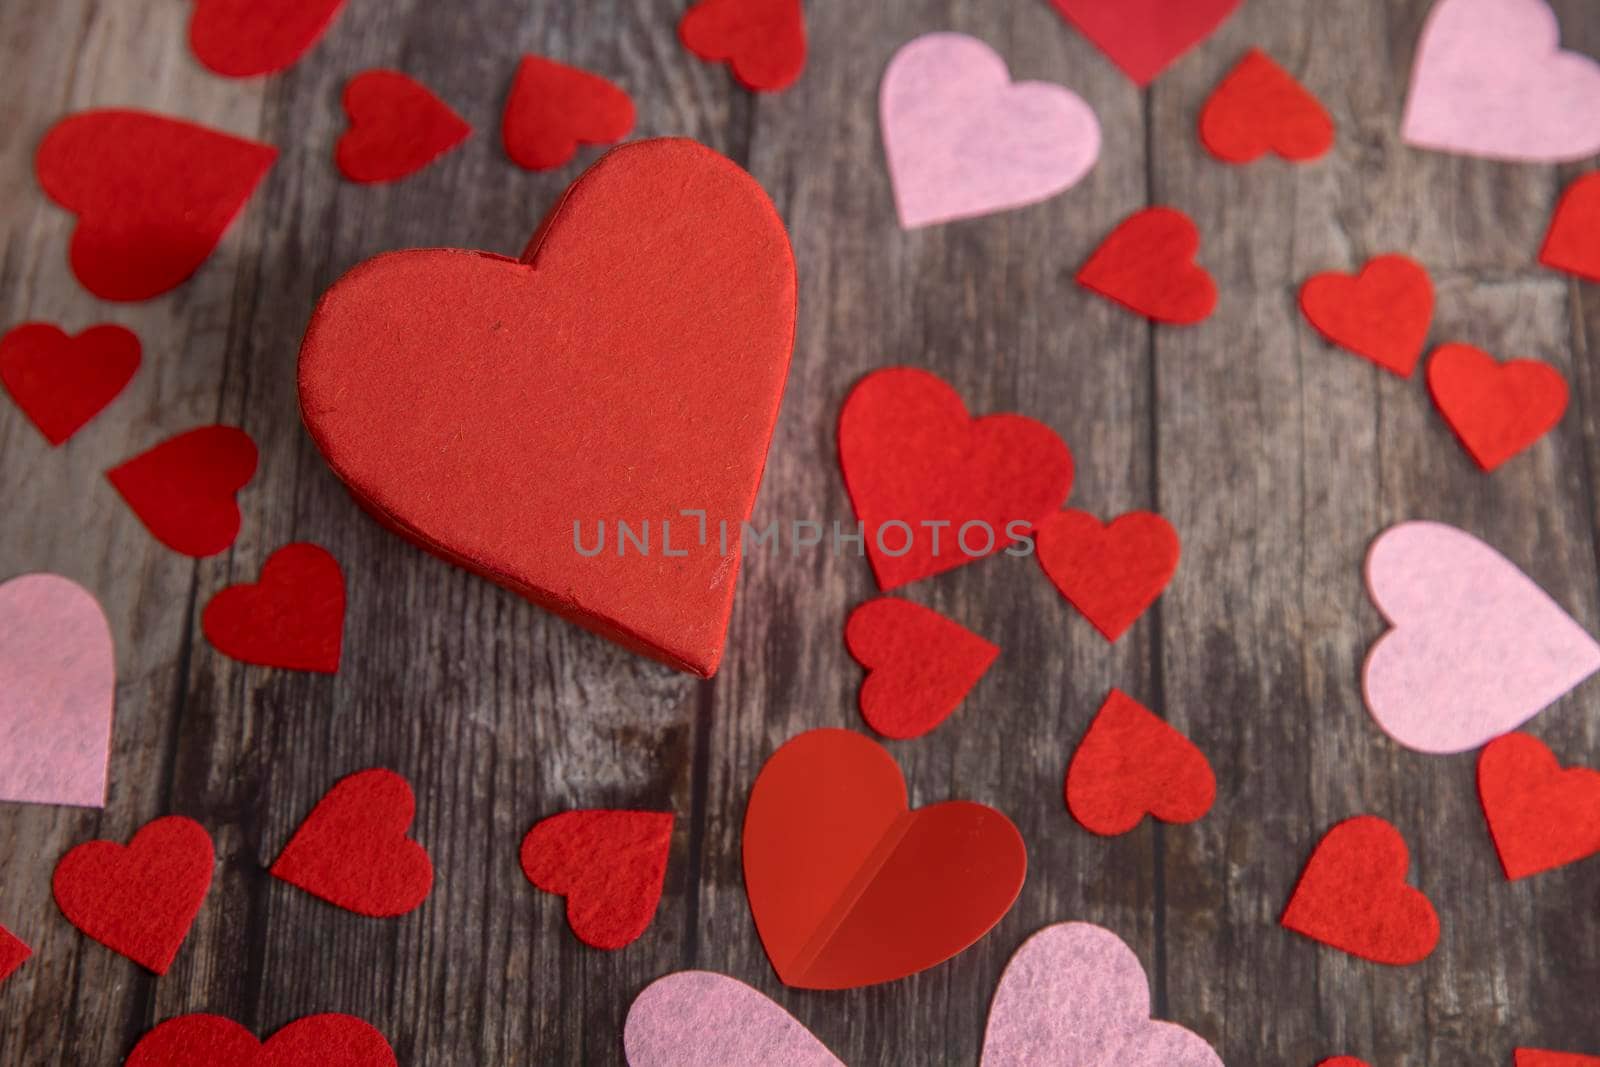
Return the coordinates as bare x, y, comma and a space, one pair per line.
1110, 572
1130, 764
850, 888
62, 382
1342, 1061
141, 898
1495, 409
1147, 265
610, 865
762, 41
920, 471
1144, 36
553, 108
1572, 243
1536, 1057
1540, 816
201, 1040
243, 38
353, 852
920, 665
1382, 313
293, 618
397, 127
1353, 895
153, 195
183, 489
1260, 108
13, 953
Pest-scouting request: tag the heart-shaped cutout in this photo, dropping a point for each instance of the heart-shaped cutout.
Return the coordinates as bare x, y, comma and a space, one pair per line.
920, 665
610, 865
183, 489
292, 618
397, 127
244, 38
1382, 313
1572, 243
1147, 265
1541, 815
203, 1040
1538, 1057
1144, 36
848, 886
1260, 108
553, 108
62, 382
14, 952
1111, 572
1495, 409
762, 41
692, 1018
1132, 763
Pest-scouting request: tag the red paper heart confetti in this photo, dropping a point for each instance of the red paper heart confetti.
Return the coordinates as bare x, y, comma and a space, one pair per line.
1572, 243
243, 38
183, 489
1131, 764
1353, 895
610, 865
397, 127
1382, 313
1110, 572
935, 488
1260, 108
1538, 1057
353, 852
201, 1040
139, 899
1147, 265
62, 382
762, 41
850, 888
1495, 409
1144, 36
1342, 1061
293, 618
1540, 816
13, 953
153, 195
553, 108
920, 665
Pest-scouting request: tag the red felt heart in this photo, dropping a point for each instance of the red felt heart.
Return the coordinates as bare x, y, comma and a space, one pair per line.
201, 1040
1342, 1061
497, 412
1382, 313
935, 488
762, 41
13, 952
1131, 764
183, 488
139, 899
847, 886
1260, 108
1147, 265
352, 850
293, 618
1111, 572
397, 127
1538, 1057
553, 108
1495, 409
62, 382
610, 865
1540, 816
1353, 895
920, 665
243, 38
1144, 36
1572, 243
153, 195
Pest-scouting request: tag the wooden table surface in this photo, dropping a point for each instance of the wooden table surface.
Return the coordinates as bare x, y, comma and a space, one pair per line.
1277, 458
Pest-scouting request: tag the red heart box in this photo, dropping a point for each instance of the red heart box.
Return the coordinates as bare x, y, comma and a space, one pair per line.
628, 368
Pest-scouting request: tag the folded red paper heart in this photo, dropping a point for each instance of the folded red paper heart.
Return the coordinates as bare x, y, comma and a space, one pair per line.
1147, 265
1496, 410
1131, 764
920, 665
13, 953
293, 618
1260, 108
1381, 313
183, 489
1111, 572
1144, 36
203, 1040
1538, 1057
62, 382
553, 108
610, 865
243, 38
1540, 815
762, 41
397, 127
1572, 243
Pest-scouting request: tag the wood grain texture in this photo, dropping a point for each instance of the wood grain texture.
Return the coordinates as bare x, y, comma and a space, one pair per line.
1277, 457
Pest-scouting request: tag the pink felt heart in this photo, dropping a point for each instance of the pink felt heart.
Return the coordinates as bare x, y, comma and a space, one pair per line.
1477, 648
962, 139
695, 1017
57, 682
1490, 79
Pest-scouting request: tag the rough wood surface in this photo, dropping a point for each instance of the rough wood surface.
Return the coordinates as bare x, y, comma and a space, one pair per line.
1277, 458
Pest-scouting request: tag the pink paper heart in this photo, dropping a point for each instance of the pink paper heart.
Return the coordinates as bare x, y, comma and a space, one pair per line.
696, 1017
1490, 79
57, 685
962, 139
1074, 993
1477, 648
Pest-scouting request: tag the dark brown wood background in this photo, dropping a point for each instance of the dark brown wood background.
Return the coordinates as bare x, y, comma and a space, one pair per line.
1277, 458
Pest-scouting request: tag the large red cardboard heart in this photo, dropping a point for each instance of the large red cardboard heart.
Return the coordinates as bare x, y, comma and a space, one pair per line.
1495, 409
610, 865
1382, 313
243, 38
1147, 265
762, 41
293, 618
62, 382
353, 852
850, 888
397, 127
1260, 108
183, 489
1144, 36
1353, 895
1572, 243
920, 665
935, 488
203, 1040
1110, 571
627, 368
553, 108
1131, 764
141, 898
1540, 815
153, 195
